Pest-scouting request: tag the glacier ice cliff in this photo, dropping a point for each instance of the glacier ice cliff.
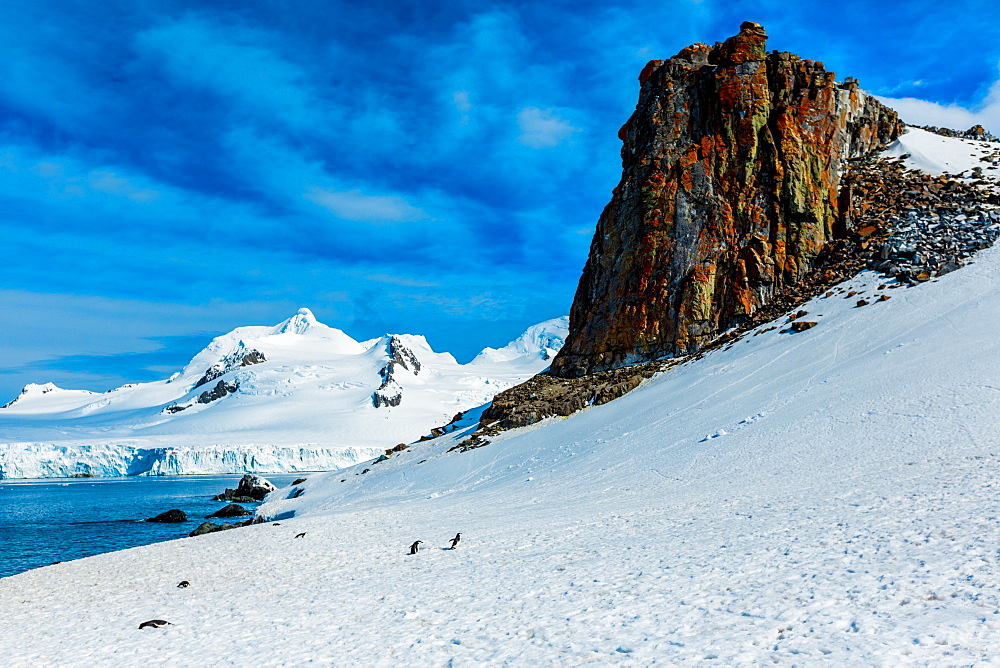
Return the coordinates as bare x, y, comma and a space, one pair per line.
49, 460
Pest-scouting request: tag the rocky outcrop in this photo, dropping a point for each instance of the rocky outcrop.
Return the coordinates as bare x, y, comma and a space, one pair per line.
251, 488
239, 358
977, 132
546, 396
390, 393
908, 225
731, 188
232, 510
221, 389
212, 527
171, 516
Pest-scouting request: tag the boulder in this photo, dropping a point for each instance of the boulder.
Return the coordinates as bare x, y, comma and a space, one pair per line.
205, 527
211, 527
175, 516
251, 488
232, 510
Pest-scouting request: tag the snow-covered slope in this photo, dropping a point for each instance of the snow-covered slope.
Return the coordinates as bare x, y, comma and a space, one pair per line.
296, 396
827, 497
935, 154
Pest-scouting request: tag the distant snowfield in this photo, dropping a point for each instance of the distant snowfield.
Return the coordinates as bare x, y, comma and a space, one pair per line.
304, 402
822, 498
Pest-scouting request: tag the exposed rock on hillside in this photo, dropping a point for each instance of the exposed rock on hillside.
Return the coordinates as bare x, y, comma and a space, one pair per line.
908, 225
390, 393
977, 132
732, 166
240, 357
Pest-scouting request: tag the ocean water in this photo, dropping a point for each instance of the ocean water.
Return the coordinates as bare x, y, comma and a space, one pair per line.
58, 519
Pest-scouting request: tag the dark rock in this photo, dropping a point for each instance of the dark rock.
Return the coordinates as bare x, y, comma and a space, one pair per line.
232, 510
977, 132
235, 499
401, 355
239, 358
390, 393
205, 527
298, 481
802, 325
221, 389
861, 302
251, 488
210, 527
174, 515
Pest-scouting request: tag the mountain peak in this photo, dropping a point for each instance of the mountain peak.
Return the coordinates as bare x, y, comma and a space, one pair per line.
540, 341
299, 323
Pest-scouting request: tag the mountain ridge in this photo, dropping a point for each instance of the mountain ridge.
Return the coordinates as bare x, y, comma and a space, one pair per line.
264, 389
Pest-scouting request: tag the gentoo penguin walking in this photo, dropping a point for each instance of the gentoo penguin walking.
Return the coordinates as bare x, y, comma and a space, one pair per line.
154, 624
414, 547
455, 541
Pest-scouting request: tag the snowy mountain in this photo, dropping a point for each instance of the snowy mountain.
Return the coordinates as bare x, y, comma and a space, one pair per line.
821, 497
296, 396
541, 341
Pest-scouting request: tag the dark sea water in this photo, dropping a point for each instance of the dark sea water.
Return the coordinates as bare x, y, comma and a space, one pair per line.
58, 519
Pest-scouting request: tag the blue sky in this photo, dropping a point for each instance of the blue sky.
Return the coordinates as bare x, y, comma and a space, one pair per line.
171, 170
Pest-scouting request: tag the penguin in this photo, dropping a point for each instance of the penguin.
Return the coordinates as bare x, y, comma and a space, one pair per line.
183, 584
455, 541
414, 547
154, 624
301, 535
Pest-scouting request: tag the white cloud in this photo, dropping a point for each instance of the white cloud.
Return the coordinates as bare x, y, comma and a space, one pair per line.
923, 112
237, 64
401, 280
543, 128
357, 206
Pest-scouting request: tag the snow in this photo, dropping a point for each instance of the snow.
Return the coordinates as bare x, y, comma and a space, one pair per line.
845, 512
539, 341
937, 155
307, 407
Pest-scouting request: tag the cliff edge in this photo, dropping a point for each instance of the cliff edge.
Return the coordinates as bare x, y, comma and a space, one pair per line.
731, 186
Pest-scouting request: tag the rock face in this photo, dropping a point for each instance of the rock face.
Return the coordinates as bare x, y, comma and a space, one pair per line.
240, 357
731, 186
171, 516
390, 393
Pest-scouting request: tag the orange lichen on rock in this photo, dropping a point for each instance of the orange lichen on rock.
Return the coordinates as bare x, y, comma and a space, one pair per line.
730, 188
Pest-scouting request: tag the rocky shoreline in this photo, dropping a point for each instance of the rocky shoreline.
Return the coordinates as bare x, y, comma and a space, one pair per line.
251, 489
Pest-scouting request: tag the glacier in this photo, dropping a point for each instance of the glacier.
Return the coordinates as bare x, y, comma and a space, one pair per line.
51, 460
